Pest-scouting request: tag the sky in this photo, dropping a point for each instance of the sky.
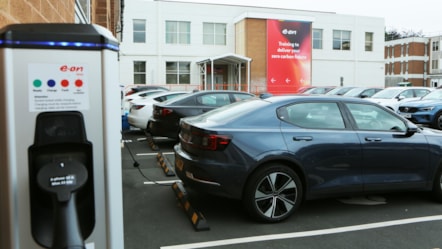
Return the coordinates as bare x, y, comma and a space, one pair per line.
406, 15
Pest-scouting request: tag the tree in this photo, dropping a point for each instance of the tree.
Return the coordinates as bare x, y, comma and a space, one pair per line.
393, 34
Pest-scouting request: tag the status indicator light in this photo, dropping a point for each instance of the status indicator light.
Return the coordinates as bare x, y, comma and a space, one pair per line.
78, 83
51, 83
37, 83
65, 83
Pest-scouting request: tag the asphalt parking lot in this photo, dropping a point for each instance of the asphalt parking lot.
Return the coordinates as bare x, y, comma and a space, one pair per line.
155, 218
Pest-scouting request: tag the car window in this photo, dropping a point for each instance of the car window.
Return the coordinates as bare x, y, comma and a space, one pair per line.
318, 115
214, 99
407, 94
421, 92
371, 117
239, 97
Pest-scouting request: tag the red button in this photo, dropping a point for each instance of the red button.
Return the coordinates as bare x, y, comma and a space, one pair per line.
78, 83
65, 83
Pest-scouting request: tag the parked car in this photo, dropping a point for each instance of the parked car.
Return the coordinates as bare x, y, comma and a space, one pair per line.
362, 92
340, 90
141, 88
319, 90
141, 108
274, 153
129, 98
426, 111
304, 88
391, 97
166, 115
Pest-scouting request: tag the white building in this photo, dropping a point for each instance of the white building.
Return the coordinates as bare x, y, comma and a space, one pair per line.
208, 46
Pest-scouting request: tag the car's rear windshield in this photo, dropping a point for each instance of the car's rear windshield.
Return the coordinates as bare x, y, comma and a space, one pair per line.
232, 111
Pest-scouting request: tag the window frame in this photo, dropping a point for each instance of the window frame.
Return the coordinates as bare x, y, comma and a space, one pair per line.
139, 75
317, 41
369, 41
341, 41
214, 33
177, 32
141, 33
182, 75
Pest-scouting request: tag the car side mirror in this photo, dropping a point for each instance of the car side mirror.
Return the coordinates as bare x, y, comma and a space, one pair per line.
411, 129
399, 98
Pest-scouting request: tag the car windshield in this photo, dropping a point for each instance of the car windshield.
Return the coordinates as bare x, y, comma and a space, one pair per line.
230, 112
354, 92
388, 93
436, 95
339, 91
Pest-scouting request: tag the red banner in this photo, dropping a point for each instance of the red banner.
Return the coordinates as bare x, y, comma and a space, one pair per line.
289, 53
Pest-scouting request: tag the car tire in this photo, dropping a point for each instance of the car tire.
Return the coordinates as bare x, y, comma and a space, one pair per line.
437, 123
272, 193
437, 186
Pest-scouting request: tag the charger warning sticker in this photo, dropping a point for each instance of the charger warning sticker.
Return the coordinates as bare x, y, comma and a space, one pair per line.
58, 87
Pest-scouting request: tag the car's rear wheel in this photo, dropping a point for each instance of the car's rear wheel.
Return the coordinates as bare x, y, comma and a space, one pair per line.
437, 123
273, 193
437, 185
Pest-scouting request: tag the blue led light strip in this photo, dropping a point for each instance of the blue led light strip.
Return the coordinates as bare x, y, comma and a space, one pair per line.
61, 44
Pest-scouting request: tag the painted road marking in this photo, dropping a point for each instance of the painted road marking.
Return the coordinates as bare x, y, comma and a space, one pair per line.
304, 234
161, 182
154, 154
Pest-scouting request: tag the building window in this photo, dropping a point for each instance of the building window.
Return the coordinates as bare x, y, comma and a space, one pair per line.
317, 38
178, 72
434, 64
402, 50
82, 11
214, 33
177, 32
368, 41
139, 72
341, 39
139, 27
436, 46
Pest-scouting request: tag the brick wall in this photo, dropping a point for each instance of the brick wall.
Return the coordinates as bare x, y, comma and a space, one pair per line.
35, 11
256, 40
103, 12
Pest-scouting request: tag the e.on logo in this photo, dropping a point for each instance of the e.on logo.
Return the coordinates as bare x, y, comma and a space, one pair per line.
71, 69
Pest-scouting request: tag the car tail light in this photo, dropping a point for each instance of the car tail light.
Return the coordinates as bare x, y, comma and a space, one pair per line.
137, 107
165, 111
129, 92
215, 142
206, 141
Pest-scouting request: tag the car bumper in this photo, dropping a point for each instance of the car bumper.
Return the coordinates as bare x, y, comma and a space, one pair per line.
137, 122
160, 128
209, 176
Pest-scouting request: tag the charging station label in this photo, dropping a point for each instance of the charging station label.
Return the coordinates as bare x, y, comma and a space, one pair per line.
58, 87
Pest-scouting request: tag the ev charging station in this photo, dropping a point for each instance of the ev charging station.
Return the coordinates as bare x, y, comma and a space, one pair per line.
60, 124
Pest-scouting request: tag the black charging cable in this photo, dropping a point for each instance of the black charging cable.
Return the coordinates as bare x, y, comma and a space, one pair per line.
137, 165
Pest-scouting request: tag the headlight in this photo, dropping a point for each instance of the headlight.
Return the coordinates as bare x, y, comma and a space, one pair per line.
427, 109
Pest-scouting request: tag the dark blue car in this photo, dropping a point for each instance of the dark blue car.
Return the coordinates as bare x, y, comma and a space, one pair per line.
426, 111
274, 153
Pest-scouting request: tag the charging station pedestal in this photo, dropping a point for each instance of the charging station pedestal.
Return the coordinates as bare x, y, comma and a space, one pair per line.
60, 124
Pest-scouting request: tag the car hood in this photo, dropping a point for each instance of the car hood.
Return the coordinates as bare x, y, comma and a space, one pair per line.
431, 132
423, 103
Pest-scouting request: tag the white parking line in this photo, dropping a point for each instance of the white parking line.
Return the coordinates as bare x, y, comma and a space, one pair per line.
154, 154
161, 182
304, 234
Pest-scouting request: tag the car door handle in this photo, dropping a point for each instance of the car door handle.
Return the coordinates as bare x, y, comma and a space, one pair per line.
303, 138
373, 139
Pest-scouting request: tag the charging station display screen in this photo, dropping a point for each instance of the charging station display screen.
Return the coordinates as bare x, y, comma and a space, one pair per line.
58, 87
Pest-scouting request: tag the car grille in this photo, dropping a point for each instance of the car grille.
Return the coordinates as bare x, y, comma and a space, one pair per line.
407, 109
